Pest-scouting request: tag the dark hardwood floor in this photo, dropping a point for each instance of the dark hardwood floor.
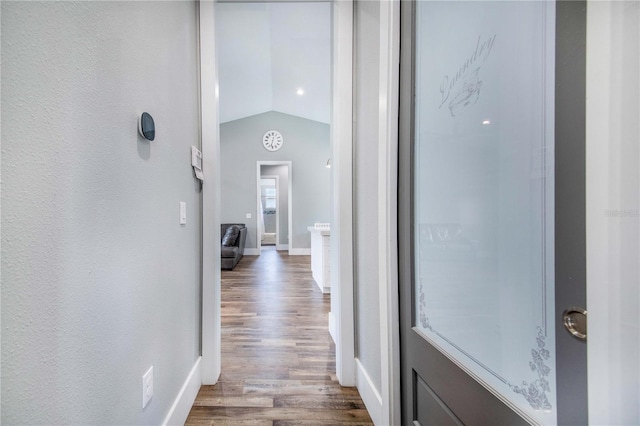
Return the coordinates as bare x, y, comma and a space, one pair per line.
278, 359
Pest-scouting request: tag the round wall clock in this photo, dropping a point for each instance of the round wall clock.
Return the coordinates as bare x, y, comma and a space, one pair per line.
272, 140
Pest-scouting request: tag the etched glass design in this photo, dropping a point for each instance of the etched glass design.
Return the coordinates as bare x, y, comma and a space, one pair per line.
483, 194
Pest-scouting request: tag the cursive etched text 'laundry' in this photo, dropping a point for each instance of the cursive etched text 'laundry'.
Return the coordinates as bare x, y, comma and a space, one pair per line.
473, 63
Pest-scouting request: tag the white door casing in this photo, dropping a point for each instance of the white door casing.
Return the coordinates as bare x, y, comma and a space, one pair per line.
388, 108
341, 317
209, 101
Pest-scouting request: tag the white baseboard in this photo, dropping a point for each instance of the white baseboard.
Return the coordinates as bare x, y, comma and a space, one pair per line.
332, 326
184, 401
370, 395
324, 290
300, 252
252, 251
282, 246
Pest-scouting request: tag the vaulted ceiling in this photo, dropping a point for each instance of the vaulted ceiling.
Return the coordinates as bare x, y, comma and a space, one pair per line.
274, 57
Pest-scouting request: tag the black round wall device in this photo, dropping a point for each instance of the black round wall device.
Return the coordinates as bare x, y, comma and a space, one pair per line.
146, 126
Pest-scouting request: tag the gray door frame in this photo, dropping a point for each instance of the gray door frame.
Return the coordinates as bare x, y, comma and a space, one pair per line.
570, 200
466, 400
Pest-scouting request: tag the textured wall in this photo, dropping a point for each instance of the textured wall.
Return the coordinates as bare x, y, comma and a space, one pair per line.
365, 190
306, 144
99, 280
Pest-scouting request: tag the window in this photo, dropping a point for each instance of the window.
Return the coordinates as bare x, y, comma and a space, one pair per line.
270, 203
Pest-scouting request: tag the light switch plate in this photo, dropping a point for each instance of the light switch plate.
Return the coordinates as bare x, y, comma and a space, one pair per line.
183, 213
147, 387
196, 157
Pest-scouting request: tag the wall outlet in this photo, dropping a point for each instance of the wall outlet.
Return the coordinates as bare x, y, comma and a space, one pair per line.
248, 215
147, 387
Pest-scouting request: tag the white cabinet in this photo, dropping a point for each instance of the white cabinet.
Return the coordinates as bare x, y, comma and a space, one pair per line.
320, 259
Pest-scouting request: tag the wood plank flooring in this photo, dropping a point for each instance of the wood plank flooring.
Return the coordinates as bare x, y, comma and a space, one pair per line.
278, 359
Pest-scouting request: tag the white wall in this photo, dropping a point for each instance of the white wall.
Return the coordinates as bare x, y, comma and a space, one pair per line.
243, 46
301, 58
306, 144
99, 280
267, 51
613, 211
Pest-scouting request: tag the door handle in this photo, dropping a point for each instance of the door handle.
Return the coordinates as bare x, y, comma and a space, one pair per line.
575, 321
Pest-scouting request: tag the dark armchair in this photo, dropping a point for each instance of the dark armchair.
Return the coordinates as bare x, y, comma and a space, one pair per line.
233, 238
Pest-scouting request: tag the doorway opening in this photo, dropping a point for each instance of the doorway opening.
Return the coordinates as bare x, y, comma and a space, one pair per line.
214, 95
274, 205
269, 211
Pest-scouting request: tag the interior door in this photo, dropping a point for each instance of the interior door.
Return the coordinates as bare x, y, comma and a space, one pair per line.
492, 212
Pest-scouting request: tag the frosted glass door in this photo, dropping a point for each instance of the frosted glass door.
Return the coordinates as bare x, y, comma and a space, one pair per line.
484, 194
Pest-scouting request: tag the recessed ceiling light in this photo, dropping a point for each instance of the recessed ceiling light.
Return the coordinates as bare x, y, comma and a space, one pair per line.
486, 122
300, 92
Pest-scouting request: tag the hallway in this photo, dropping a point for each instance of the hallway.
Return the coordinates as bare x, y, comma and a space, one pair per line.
278, 359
